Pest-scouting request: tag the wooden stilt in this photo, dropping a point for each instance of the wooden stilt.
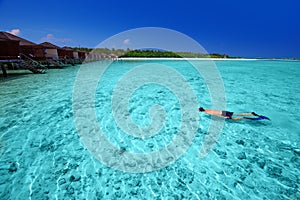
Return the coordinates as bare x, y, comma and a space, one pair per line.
3, 68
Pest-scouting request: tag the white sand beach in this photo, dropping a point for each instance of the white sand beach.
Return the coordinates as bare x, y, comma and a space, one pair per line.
151, 58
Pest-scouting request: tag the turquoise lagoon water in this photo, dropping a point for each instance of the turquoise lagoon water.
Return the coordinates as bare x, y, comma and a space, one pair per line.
42, 156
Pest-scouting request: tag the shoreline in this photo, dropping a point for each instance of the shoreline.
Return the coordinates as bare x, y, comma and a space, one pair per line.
213, 59
162, 58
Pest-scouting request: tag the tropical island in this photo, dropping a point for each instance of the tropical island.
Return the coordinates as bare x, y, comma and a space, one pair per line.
152, 53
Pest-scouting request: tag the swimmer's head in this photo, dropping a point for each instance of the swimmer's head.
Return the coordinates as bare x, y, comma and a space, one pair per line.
201, 109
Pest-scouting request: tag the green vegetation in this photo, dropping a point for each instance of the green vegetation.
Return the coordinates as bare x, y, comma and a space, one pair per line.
152, 53
169, 54
82, 49
118, 52
200, 55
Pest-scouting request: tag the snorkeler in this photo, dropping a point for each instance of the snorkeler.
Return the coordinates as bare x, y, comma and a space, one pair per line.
229, 115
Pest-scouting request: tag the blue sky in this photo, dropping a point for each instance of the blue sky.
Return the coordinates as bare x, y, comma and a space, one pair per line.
238, 28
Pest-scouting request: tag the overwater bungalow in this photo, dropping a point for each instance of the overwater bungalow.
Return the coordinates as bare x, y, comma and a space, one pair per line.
82, 55
50, 50
103, 55
25, 47
9, 49
32, 51
113, 56
93, 56
65, 53
75, 55
18, 53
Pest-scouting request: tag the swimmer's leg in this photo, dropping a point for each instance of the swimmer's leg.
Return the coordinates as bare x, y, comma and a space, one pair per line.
236, 119
246, 114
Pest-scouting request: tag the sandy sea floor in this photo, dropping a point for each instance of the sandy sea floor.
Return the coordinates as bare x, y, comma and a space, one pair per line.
44, 157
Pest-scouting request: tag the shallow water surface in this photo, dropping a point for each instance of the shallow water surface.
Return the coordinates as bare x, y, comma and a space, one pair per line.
43, 157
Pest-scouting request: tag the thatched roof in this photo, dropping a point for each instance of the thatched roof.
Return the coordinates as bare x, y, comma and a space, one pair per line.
7, 36
49, 45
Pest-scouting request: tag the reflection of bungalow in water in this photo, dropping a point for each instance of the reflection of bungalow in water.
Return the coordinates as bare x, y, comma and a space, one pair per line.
65, 53
9, 49
50, 50
26, 47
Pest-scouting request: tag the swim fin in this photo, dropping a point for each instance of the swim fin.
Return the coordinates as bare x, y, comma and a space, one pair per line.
260, 117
